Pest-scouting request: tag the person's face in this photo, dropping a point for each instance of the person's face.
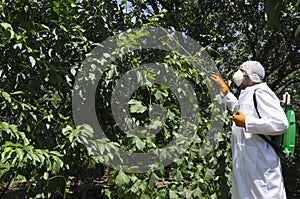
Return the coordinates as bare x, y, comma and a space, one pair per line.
246, 80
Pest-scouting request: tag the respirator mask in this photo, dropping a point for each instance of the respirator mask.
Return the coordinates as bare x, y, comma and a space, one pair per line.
253, 69
238, 77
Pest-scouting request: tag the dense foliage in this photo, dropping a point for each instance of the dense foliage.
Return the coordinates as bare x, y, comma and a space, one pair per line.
44, 43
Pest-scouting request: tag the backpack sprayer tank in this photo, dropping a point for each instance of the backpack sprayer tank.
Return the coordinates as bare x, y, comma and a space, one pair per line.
287, 140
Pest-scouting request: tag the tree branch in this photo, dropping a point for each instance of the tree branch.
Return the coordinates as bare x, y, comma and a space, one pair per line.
7, 186
282, 73
287, 84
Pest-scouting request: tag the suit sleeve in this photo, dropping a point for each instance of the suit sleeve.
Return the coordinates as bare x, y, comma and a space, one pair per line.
231, 101
273, 121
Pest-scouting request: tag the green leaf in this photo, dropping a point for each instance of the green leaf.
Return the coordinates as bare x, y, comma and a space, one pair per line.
9, 32
17, 93
25, 140
46, 175
4, 125
139, 143
123, 2
122, 179
173, 194
33, 116
19, 45
6, 96
209, 174
178, 176
32, 61
188, 194
101, 148
56, 153
11, 144
162, 193
20, 154
145, 196
6, 154
42, 159
67, 130
197, 193
135, 187
159, 95
63, 117
55, 168
155, 124
73, 72
163, 154
107, 193
137, 106
57, 164
6, 25
133, 19
152, 180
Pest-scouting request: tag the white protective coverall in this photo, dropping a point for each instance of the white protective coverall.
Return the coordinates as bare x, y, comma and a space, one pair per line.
256, 172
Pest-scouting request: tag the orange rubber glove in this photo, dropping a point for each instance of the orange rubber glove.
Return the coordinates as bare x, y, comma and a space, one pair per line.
223, 86
239, 118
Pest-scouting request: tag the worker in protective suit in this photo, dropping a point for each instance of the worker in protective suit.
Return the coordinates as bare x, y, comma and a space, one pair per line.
256, 172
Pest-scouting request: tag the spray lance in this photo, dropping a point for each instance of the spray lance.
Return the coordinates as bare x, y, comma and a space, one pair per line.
192, 59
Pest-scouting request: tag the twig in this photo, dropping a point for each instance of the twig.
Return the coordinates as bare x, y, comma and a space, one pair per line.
7, 186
